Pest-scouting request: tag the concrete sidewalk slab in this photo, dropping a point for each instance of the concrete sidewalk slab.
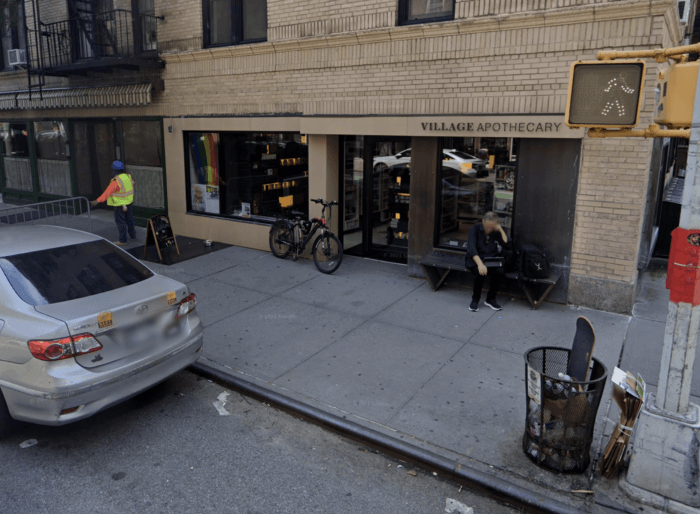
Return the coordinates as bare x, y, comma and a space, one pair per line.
652, 297
644, 339
360, 293
442, 313
275, 337
518, 329
268, 274
217, 300
470, 405
352, 263
352, 374
212, 263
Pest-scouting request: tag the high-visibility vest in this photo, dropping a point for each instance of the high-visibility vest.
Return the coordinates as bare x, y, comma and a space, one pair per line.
125, 195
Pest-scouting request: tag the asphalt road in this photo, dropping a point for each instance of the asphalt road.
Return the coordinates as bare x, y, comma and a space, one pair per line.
189, 445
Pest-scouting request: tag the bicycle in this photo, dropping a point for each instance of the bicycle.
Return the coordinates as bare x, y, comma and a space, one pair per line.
292, 235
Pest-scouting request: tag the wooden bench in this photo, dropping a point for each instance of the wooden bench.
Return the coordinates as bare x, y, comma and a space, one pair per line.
438, 267
550, 282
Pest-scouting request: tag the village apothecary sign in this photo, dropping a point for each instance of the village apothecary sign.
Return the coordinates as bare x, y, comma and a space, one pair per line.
494, 126
547, 126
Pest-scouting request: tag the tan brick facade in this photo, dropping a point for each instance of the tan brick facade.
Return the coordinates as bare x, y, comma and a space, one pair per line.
496, 57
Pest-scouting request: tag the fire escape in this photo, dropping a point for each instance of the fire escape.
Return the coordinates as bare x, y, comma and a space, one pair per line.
92, 40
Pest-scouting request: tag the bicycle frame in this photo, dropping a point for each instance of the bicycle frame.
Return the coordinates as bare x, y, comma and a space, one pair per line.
299, 243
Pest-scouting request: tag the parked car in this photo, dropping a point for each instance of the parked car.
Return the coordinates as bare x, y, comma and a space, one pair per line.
450, 158
84, 325
464, 193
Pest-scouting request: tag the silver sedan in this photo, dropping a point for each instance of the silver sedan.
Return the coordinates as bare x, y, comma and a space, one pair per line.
84, 325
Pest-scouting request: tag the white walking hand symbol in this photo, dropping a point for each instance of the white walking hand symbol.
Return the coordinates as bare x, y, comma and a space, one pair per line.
615, 92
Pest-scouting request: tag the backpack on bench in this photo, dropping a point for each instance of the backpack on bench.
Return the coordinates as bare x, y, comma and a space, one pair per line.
532, 262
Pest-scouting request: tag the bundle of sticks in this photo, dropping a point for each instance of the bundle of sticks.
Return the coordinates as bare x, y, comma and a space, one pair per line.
629, 394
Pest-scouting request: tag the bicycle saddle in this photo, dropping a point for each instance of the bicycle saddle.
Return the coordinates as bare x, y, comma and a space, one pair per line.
297, 213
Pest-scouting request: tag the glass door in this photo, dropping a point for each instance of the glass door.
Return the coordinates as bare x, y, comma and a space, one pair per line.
376, 181
388, 170
352, 194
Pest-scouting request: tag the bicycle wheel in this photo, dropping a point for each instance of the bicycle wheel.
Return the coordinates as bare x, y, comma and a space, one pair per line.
328, 253
280, 232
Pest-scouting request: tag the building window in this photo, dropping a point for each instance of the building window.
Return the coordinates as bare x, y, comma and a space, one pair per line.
470, 186
143, 159
422, 11
15, 156
249, 175
147, 25
230, 22
51, 144
12, 31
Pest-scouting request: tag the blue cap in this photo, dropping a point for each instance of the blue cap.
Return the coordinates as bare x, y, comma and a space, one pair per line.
117, 165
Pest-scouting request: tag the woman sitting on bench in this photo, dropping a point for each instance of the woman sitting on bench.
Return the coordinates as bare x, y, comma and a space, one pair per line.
486, 241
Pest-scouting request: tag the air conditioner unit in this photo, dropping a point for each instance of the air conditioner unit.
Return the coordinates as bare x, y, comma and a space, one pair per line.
684, 11
17, 57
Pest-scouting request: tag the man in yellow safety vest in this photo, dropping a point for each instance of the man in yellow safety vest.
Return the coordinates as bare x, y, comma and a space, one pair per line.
120, 195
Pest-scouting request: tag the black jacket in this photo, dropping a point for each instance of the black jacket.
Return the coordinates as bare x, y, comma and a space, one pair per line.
478, 243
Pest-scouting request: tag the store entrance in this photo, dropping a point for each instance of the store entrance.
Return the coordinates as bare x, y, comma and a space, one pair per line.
376, 181
94, 155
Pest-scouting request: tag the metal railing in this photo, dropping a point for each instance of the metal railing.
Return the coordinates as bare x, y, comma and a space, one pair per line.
43, 211
114, 34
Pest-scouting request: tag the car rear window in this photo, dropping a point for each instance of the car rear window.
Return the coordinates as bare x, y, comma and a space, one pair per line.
71, 272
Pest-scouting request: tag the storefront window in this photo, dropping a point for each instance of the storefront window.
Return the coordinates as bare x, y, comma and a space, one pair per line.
250, 175
472, 184
15, 155
143, 161
51, 140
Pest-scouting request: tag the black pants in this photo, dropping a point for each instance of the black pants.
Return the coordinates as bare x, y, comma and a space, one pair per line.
125, 222
496, 276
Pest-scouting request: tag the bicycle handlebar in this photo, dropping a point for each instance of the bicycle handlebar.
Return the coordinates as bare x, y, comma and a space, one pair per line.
322, 202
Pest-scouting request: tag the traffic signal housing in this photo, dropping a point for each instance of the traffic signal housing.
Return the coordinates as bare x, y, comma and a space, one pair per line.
605, 94
675, 98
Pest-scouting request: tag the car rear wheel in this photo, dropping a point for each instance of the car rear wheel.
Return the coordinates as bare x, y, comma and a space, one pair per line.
6, 421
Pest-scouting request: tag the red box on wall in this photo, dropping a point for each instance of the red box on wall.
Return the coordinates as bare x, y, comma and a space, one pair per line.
683, 276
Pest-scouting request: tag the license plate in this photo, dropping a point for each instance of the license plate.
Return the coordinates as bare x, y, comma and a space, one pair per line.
142, 334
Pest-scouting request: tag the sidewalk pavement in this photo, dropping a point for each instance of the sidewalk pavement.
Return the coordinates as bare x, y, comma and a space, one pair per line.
372, 346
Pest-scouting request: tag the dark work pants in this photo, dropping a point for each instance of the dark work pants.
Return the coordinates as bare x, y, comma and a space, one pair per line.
125, 222
496, 276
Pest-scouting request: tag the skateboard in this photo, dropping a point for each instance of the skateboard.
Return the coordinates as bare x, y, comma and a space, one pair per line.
581, 351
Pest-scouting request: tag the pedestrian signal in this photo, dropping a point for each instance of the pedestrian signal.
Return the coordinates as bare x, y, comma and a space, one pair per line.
675, 95
605, 94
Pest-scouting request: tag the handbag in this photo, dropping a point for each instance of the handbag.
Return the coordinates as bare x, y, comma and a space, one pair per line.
493, 262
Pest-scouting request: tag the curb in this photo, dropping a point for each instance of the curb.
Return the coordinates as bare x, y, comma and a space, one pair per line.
495, 487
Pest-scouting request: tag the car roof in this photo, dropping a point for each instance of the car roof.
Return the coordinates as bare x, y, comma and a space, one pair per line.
21, 238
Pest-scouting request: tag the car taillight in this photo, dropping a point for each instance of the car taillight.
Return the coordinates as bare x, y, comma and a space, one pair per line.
186, 306
64, 348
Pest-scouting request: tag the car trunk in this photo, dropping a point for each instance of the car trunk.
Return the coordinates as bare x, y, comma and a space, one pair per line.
130, 322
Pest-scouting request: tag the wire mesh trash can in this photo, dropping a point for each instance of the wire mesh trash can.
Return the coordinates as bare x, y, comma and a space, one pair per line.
560, 412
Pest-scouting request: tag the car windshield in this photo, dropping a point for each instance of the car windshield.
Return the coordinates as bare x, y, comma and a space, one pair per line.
461, 155
71, 272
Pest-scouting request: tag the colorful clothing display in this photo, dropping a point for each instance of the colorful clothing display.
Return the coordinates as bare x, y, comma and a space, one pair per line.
204, 147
